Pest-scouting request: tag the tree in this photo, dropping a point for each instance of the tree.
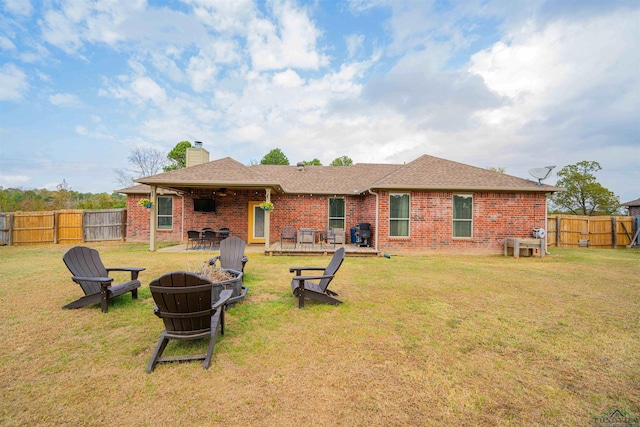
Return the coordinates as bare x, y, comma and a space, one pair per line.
147, 161
314, 162
498, 169
342, 161
274, 157
583, 194
62, 199
178, 156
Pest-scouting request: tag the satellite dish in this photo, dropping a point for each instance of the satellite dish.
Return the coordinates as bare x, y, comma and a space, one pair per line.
541, 173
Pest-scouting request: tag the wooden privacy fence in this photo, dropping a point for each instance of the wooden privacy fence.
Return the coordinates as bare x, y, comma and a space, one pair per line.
65, 226
590, 231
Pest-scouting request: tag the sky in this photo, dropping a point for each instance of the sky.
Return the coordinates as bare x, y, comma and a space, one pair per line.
490, 83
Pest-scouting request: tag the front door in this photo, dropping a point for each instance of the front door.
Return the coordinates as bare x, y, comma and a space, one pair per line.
256, 223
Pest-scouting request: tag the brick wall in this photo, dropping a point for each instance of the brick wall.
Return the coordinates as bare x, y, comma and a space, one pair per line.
496, 216
305, 211
231, 212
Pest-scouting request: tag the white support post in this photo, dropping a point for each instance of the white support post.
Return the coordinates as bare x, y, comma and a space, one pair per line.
267, 220
152, 219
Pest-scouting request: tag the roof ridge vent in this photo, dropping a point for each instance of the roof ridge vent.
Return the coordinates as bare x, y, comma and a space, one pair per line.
300, 166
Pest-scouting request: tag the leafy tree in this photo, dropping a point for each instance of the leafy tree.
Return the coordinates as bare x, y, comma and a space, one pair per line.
15, 200
178, 156
146, 162
274, 157
8, 201
342, 161
62, 199
498, 169
314, 162
583, 194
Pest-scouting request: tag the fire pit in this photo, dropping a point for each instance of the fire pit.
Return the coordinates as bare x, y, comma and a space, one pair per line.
225, 278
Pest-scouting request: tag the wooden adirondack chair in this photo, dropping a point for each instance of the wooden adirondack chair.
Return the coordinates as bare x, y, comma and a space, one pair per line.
88, 271
231, 254
302, 286
191, 307
232, 258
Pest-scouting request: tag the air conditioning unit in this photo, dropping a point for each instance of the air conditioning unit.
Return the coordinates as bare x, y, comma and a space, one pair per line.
539, 233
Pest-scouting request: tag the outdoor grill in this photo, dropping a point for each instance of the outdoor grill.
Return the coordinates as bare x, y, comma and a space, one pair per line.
363, 234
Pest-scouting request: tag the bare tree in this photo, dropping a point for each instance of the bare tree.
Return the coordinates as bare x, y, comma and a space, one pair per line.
145, 161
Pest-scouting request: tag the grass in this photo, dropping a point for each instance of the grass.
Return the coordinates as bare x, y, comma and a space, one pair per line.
420, 340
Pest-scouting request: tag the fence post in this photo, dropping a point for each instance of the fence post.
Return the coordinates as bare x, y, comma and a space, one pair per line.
614, 232
84, 226
56, 220
123, 221
10, 231
558, 221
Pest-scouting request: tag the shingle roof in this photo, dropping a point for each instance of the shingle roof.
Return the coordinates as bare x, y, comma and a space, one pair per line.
222, 172
326, 179
635, 202
136, 189
426, 172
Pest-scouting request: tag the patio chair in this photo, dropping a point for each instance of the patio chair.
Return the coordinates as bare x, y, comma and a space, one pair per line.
191, 307
193, 238
289, 233
223, 233
328, 236
302, 286
89, 272
208, 238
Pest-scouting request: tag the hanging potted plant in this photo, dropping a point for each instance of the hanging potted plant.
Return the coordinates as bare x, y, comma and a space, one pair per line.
145, 202
267, 206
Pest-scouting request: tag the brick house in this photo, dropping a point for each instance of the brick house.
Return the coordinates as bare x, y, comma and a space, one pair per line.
633, 207
427, 204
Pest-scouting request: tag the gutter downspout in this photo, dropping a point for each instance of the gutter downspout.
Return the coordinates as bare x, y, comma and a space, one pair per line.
377, 215
546, 224
152, 219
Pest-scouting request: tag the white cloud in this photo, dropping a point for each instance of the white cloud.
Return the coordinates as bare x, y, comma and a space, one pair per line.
14, 83
146, 88
250, 133
560, 90
95, 134
202, 72
65, 100
18, 7
288, 78
6, 43
354, 43
224, 16
13, 181
61, 32
290, 42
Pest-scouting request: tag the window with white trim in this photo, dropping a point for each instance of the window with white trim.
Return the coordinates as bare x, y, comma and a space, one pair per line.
336, 212
462, 215
165, 213
399, 214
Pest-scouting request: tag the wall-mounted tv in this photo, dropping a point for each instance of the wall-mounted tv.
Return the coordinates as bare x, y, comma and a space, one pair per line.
204, 205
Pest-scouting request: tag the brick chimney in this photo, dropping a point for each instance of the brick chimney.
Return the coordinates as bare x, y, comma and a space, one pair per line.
197, 155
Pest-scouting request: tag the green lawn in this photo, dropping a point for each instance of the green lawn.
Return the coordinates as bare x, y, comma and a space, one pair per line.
421, 340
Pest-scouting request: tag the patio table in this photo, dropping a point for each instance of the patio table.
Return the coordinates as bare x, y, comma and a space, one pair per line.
218, 234
308, 235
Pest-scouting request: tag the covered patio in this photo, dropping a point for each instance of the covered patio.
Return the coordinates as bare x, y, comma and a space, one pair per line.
288, 249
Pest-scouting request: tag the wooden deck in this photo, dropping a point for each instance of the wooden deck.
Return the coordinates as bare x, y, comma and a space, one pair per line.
318, 249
